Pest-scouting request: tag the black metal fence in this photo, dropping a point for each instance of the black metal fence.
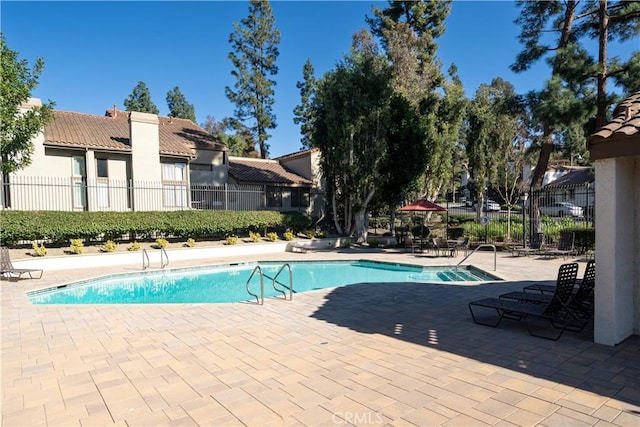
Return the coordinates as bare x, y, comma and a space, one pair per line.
559, 208
79, 194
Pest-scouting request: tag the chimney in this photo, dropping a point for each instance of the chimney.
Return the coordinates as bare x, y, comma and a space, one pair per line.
627, 112
115, 110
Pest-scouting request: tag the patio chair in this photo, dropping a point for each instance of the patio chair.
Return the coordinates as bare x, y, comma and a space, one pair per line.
441, 245
537, 245
8, 270
462, 244
565, 246
581, 301
557, 311
411, 243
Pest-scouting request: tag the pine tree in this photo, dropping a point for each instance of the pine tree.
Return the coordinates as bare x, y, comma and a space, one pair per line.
255, 50
140, 100
178, 105
304, 112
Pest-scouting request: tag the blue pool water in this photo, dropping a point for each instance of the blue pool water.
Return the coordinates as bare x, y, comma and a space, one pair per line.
226, 283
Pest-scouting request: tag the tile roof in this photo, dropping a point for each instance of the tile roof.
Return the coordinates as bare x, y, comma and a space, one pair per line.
621, 136
249, 170
575, 177
111, 132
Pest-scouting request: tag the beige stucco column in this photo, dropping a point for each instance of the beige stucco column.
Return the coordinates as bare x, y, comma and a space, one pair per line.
145, 161
617, 291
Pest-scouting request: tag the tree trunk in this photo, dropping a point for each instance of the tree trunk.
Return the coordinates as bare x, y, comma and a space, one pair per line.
538, 174
603, 30
360, 221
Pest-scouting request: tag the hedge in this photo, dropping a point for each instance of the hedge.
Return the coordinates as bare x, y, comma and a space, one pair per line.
60, 227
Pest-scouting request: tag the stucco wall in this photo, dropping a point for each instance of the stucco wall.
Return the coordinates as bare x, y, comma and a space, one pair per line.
617, 308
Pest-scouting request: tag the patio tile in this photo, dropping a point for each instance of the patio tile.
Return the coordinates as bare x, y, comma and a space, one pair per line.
404, 354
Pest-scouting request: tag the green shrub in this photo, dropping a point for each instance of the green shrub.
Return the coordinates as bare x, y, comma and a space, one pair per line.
232, 240
254, 236
39, 250
77, 247
288, 235
61, 227
346, 244
321, 234
135, 246
374, 243
272, 236
109, 246
190, 242
311, 234
161, 243
296, 221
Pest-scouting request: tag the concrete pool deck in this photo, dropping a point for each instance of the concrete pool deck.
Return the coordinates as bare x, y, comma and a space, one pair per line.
366, 354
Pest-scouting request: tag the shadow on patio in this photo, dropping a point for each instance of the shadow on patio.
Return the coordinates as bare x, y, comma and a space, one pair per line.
437, 316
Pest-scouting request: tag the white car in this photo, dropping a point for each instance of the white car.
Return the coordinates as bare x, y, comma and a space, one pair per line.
561, 209
489, 205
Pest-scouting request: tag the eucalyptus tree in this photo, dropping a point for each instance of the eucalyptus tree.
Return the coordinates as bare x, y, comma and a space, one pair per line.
140, 100
255, 51
408, 31
178, 105
492, 127
18, 129
304, 114
240, 143
350, 128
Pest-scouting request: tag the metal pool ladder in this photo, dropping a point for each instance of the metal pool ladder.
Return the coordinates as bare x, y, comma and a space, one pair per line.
485, 245
164, 259
290, 282
260, 298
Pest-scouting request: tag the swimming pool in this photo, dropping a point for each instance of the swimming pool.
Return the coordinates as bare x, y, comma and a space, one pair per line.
226, 283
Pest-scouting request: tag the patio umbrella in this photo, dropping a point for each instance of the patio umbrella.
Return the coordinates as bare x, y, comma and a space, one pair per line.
422, 205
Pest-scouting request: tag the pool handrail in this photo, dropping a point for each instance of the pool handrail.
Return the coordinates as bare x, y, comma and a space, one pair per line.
290, 281
162, 263
261, 299
145, 255
485, 245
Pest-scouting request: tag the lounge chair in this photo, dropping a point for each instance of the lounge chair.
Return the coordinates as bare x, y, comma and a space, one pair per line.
537, 245
581, 301
11, 272
557, 311
565, 246
589, 274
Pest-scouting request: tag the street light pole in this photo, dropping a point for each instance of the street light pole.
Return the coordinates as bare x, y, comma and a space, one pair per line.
524, 197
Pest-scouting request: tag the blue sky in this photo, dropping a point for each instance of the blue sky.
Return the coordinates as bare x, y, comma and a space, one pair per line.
96, 52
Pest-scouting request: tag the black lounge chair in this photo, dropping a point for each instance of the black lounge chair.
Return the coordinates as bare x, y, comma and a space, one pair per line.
537, 245
557, 311
15, 273
565, 246
589, 274
581, 301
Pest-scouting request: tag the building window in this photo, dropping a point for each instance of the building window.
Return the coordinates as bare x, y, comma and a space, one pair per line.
174, 184
300, 197
102, 170
274, 197
102, 167
79, 183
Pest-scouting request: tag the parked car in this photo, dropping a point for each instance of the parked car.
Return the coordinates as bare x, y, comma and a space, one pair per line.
489, 205
561, 209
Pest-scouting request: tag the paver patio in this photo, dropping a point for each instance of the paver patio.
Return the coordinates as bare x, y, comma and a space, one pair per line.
365, 354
